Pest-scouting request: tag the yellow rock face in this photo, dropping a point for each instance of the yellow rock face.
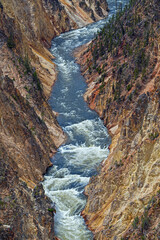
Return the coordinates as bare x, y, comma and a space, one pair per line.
130, 177
29, 132
33, 24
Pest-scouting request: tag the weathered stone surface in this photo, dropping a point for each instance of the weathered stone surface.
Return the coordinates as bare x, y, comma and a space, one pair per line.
29, 136
33, 24
29, 132
130, 176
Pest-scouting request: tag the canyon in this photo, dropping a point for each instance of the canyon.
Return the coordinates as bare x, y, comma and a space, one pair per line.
30, 134
122, 70
121, 67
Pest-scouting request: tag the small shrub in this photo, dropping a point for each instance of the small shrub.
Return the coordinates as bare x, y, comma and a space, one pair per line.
102, 87
90, 70
27, 64
10, 42
1, 202
135, 222
136, 73
145, 223
36, 79
98, 69
129, 86
130, 97
153, 136
15, 97
20, 60
27, 89
53, 210
2, 205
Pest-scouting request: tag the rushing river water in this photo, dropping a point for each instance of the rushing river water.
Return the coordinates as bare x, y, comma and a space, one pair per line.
76, 161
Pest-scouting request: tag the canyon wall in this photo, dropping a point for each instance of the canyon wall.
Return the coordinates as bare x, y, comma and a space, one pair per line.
29, 136
122, 70
32, 25
29, 132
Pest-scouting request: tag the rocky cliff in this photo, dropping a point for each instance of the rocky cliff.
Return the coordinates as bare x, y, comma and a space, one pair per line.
29, 132
29, 136
32, 25
122, 69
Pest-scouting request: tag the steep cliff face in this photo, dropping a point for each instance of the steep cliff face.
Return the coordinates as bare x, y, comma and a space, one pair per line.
29, 132
85, 11
122, 69
29, 136
33, 24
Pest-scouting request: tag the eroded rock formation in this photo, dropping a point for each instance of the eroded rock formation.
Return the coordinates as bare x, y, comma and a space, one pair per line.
29, 136
29, 132
33, 24
122, 69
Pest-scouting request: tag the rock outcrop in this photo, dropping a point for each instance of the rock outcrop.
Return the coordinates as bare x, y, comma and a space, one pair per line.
33, 24
29, 132
29, 136
122, 69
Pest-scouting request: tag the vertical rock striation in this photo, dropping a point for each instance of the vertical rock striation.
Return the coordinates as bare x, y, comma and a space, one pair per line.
33, 24
122, 69
29, 132
29, 136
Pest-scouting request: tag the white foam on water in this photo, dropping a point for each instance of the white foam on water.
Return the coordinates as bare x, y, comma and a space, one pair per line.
79, 93
70, 226
67, 216
64, 90
69, 114
92, 131
63, 104
63, 183
85, 148
64, 187
82, 156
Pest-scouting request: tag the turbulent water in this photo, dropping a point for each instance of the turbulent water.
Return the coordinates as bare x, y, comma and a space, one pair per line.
87, 142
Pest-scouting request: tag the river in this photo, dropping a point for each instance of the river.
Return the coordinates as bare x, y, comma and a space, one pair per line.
87, 144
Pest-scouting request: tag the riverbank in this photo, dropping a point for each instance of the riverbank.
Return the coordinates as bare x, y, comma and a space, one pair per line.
77, 160
30, 134
123, 200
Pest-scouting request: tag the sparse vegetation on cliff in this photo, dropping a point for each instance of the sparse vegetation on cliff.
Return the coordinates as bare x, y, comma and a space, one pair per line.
10, 42
142, 226
126, 52
128, 40
29, 132
25, 148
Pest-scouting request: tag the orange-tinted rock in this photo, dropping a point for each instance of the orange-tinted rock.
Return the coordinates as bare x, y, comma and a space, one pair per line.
130, 175
29, 132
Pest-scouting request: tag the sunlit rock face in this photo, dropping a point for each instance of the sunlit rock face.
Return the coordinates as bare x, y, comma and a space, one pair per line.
123, 200
29, 136
29, 132
33, 24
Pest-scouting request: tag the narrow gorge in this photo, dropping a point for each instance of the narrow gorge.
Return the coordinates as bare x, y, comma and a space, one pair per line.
30, 134
121, 69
